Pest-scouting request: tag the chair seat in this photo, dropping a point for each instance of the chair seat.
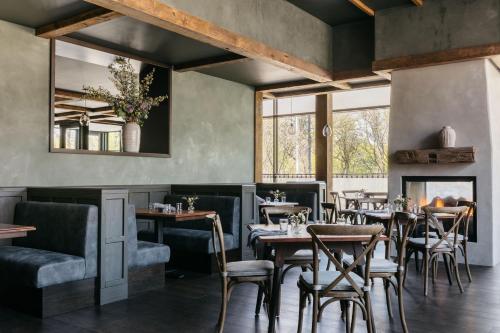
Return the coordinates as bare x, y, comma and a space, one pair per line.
327, 277
301, 255
451, 236
249, 268
420, 242
39, 268
377, 265
150, 254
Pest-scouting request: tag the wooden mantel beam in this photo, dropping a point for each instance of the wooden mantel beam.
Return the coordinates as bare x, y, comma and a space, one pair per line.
157, 13
361, 5
78, 22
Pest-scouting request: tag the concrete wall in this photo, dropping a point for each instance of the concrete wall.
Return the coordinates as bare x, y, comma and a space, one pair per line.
212, 128
438, 25
425, 99
276, 23
354, 46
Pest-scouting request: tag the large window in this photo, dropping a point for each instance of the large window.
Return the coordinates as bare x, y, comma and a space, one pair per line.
359, 135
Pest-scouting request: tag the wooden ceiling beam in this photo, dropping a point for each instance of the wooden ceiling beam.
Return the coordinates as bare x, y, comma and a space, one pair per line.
418, 2
361, 5
195, 65
159, 14
73, 107
436, 58
76, 23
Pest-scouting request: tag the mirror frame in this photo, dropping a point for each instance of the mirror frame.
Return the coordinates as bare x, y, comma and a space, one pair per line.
117, 53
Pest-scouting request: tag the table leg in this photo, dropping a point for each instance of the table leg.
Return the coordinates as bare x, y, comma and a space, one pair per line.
275, 298
159, 231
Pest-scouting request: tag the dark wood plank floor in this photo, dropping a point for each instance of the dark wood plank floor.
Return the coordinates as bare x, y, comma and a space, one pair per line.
191, 305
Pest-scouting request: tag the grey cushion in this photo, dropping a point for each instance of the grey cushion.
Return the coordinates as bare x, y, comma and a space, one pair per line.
327, 277
301, 255
250, 268
227, 207
39, 268
150, 254
377, 265
61, 227
420, 241
132, 236
190, 240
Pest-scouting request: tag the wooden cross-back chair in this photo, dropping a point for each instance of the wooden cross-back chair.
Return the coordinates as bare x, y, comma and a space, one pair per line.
330, 209
343, 284
444, 244
350, 210
259, 272
463, 237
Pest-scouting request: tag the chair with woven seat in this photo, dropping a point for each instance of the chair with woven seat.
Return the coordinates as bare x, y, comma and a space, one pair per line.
259, 272
443, 245
342, 285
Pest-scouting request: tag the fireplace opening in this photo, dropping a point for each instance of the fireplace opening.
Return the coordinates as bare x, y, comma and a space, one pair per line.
442, 191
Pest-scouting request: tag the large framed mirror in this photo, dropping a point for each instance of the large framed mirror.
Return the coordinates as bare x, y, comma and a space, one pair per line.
83, 123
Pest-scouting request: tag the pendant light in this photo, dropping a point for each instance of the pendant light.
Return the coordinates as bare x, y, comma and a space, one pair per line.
327, 131
85, 118
292, 129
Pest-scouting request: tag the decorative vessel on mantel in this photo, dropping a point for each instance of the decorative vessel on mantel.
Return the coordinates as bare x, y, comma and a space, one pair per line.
447, 137
131, 137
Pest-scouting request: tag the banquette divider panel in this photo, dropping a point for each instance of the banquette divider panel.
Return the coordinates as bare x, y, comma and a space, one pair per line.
9, 197
248, 206
112, 204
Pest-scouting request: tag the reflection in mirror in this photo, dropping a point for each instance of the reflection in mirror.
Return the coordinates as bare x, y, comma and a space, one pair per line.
86, 123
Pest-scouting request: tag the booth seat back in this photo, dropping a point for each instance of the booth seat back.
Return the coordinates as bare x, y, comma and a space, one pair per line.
227, 207
61, 227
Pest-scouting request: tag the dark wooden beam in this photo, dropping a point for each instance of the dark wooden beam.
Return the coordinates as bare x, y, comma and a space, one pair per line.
290, 85
158, 13
306, 92
210, 62
78, 22
361, 5
73, 107
436, 58
112, 51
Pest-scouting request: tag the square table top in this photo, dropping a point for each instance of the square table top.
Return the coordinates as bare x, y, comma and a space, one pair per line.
304, 237
177, 216
278, 204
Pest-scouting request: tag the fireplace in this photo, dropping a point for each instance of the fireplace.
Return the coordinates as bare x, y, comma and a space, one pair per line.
441, 192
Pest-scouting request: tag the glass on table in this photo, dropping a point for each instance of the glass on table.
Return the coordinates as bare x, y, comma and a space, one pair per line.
283, 199
268, 200
283, 224
151, 206
178, 207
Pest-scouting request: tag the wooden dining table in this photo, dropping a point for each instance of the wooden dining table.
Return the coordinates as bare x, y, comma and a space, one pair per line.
14, 231
285, 246
160, 218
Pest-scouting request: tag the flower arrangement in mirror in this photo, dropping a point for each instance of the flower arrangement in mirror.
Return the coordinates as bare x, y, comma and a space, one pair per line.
190, 201
277, 194
132, 103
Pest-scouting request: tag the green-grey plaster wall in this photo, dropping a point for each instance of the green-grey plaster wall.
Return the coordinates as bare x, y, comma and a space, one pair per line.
438, 25
212, 132
276, 23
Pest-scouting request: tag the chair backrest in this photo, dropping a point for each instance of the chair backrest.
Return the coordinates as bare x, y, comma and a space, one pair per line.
60, 227
431, 220
373, 233
218, 244
284, 212
468, 216
331, 212
399, 229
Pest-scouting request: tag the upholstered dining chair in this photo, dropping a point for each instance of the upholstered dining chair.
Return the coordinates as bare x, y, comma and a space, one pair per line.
443, 244
343, 284
259, 272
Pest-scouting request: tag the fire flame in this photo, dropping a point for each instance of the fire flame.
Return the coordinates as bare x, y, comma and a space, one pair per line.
439, 202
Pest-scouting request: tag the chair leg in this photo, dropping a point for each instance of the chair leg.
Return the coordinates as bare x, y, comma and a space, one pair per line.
416, 262
426, 272
387, 287
223, 309
302, 305
401, 304
370, 322
314, 327
457, 274
260, 293
447, 267
353, 320
466, 261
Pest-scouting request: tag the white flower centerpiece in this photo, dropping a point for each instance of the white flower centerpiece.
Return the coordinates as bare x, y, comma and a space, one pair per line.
190, 201
277, 194
132, 103
296, 220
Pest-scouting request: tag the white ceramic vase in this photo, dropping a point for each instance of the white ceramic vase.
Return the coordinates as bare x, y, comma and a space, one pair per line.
131, 137
447, 137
